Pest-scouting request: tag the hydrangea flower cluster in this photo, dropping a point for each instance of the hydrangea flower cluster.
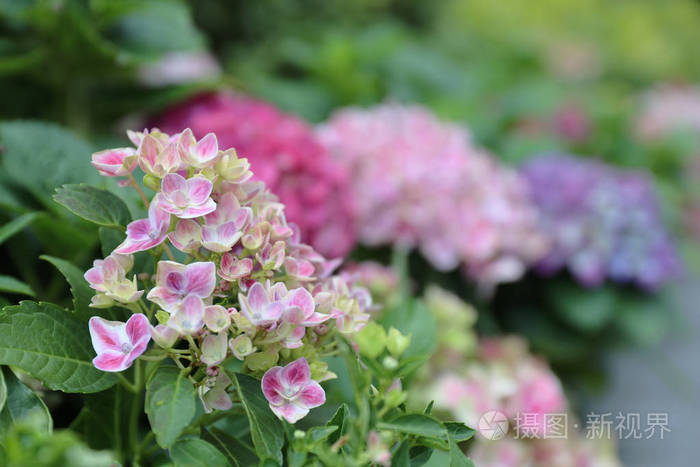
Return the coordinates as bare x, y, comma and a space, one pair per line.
469, 378
239, 285
603, 222
287, 156
421, 183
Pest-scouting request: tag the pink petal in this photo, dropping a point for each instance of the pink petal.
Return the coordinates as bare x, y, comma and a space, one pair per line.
257, 298
189, 319
165, 268
302, 298
316, 318
312, 395
138, 230
199, 189
164, 336
191, 212
160, 220
138, 328
201, 278
150, 147
296, 374
112, 361
290, 412
163, 297
172, 183
272, 385
106, 335
294, 315
207, 148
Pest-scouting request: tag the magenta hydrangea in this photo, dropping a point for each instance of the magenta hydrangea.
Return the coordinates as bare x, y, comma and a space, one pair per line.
286, 155
422, 183
603, 222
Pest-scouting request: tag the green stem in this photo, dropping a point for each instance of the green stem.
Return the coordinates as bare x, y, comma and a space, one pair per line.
125, 382
136, 409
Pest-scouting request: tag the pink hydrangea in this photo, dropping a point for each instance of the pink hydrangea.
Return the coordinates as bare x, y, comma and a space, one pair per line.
287, 157
176, 281
118, 344
144, 234
422, 183
290, 390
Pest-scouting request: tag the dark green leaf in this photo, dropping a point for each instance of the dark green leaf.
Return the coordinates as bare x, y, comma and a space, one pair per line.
319, 433
265, 429
109, 240
9, 284
416, 424
170, 404
104, 420
41, 156
236, 451
22, 404
194, 452
51, 345
15, 225
402, 457
338, 419
79, 288
99, 206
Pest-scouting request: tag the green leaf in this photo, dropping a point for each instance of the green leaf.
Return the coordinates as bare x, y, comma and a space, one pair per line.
265, 429
194, 452
41, 156
585, 309
237, 452
402, 457
416, 424
338, 419
79, 288
170, 404
9, 284
459, 431
414, 319
457, 457
99, 206
109, 240
15, 225
103, 422
22, 404
319, 433
51, 345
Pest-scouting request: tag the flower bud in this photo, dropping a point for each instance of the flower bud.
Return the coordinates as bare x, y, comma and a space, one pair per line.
152, 182
162, 316
371, 340
241, 346
395, 397
397, 343
216, 318
231, 168
261, 361
214, 349
390, 363
164, 336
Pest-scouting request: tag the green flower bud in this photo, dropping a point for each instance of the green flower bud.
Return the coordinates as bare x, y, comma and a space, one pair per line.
395, 397
162, 317
397, 343
390, 363
371, 340
261, 361
152, 182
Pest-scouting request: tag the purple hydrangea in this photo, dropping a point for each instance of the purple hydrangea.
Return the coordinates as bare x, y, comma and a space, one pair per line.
603, 222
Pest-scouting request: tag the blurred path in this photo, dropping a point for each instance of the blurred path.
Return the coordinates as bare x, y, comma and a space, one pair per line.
665, 380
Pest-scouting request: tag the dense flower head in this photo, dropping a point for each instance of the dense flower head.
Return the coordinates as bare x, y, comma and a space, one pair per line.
603, 222
286, 155
422, 183
242, 285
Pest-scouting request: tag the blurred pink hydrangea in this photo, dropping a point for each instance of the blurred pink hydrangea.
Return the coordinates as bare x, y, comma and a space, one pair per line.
668, 109
422, 183
285, 154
